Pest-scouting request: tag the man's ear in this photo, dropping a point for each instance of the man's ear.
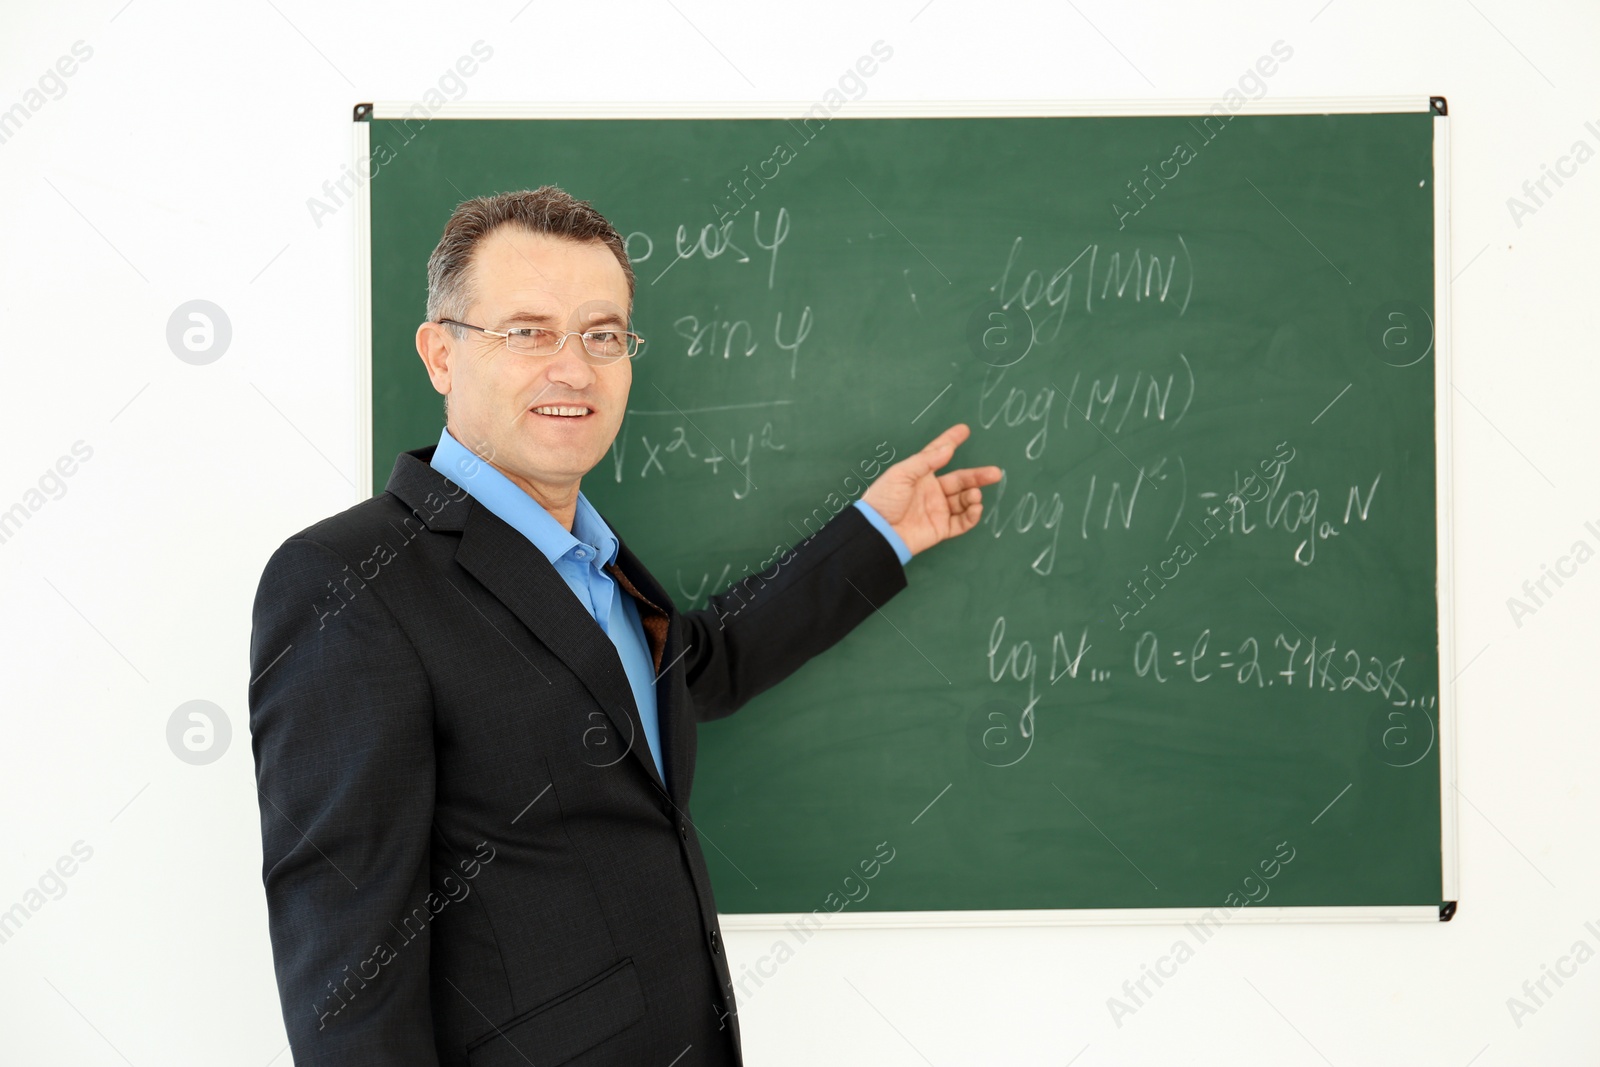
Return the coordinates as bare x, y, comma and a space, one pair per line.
433, 345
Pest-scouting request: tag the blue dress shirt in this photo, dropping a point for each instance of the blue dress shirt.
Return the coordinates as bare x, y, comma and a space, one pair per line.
580, 557
881, 524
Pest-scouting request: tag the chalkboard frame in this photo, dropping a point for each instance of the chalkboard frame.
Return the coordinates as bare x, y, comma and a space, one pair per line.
863, 110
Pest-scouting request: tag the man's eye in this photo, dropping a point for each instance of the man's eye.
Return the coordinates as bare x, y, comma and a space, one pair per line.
603, 337
531, 339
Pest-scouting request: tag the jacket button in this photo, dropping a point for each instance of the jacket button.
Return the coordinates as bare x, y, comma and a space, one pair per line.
683, 831
716, 943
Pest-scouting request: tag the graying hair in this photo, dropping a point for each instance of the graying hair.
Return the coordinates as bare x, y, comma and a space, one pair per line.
547, 209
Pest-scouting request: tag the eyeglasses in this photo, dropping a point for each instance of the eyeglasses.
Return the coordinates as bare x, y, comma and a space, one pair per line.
602, 347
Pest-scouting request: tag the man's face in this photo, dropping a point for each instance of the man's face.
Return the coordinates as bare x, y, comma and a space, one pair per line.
521, 279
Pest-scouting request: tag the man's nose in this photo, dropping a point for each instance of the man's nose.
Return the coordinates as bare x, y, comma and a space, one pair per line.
569, 366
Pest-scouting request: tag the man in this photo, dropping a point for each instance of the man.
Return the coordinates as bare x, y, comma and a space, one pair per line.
473, 709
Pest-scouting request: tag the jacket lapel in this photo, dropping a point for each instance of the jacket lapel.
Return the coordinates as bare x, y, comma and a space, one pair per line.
677, 725
521, 578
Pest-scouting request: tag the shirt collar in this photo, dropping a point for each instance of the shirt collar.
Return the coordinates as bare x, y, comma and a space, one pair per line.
523, 513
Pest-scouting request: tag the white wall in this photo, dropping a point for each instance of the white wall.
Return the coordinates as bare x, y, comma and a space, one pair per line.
177, 165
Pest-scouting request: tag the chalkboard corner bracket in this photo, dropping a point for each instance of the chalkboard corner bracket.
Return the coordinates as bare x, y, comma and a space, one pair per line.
1447, 911
363, 113
1438, 105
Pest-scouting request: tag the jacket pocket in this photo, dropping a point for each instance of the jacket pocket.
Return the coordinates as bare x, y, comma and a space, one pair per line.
562, 1027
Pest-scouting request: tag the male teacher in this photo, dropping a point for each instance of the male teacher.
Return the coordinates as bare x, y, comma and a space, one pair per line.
473, 709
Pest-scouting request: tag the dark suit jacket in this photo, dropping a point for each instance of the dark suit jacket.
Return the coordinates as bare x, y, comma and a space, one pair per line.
468, 855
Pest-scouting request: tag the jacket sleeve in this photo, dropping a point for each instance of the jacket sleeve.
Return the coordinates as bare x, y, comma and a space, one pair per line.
766, 626
342, 732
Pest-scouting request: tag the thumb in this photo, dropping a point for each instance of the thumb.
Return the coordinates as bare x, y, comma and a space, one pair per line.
937, 452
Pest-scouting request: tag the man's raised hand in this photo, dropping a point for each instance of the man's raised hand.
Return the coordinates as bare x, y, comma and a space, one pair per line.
925, 508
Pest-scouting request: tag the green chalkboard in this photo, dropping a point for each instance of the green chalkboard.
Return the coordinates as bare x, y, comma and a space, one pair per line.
1192, 655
